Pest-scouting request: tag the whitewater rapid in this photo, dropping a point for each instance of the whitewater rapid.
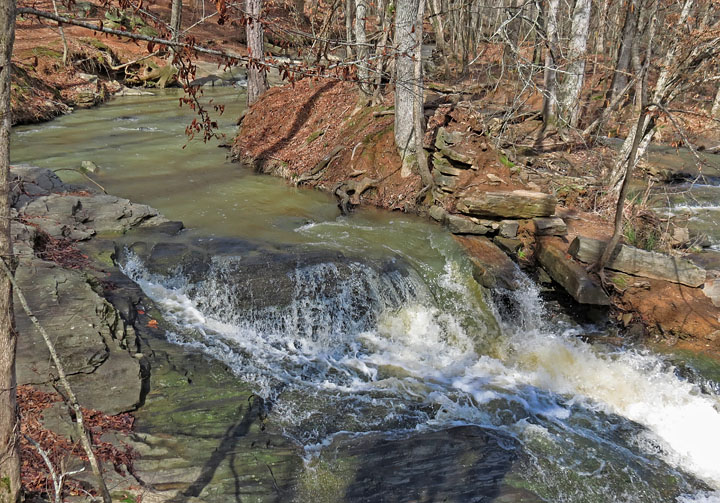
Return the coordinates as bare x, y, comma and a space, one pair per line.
408, 362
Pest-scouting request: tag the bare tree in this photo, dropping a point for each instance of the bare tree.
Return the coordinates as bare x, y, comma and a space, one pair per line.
574, 78
408, 37
9, 457
552, 53
256, 73
622, 65
363, 72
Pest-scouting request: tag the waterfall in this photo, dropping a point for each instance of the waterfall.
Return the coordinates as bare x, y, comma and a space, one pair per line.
359, 348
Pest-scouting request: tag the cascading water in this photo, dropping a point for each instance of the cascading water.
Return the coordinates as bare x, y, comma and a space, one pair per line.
359, 349
348, 346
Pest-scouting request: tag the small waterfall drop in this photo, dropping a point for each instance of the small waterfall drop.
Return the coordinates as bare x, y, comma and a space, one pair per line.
360, 349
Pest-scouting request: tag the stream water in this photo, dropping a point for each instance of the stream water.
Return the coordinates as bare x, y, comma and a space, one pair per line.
405, 348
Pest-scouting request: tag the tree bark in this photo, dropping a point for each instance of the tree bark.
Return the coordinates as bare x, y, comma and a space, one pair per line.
663, 87
549, 110
361, 48
10, 488
349, 8
407, 38
622, 66
419, 108
573, 82
715, 111
175, 22
256, 73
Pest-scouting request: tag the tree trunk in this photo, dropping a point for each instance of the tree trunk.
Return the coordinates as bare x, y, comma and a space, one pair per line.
419, 108
256, 75
9, 428
349, 8
663, 87
715, 111
573, 82
551, 54
175, 22
407, 37
361, 48
622, 66
299, 9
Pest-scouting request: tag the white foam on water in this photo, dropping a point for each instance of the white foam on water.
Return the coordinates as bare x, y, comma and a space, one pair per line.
415, 352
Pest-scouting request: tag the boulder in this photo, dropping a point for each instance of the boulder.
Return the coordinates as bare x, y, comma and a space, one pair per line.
465, 225
508, 245
507, 204
570, 275
550, 226
450, 145
96, 346
445, 167
438, 213
99, 212
491, 267
639, 262
509, 229
712, 291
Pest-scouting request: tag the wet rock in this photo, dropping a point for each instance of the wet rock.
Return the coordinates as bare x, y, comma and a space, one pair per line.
438, 213
102, 213
463, 225
509, 246
550, 226
463, 463
570, 275
27, 182
491, 267
507, 204
640, 262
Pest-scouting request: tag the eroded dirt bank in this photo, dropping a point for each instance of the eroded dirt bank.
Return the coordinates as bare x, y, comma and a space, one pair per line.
495, 198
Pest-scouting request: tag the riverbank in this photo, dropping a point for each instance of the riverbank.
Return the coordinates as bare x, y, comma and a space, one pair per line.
312, 133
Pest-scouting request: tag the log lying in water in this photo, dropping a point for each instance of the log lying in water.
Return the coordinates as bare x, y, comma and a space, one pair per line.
640, 262
508, 204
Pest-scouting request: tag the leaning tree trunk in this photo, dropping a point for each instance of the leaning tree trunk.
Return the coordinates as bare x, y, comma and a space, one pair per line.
407, 37
256, 75
361, 48
663, 88
572, 85
9, 428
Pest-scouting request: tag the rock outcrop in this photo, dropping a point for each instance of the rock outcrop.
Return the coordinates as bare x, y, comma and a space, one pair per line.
507, 204
99, 350
570, 275
640, 262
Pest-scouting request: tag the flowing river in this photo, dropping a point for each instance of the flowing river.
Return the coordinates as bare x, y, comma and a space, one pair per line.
385, 332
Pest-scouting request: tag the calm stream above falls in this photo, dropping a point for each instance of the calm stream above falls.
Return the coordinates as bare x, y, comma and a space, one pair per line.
381, 338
